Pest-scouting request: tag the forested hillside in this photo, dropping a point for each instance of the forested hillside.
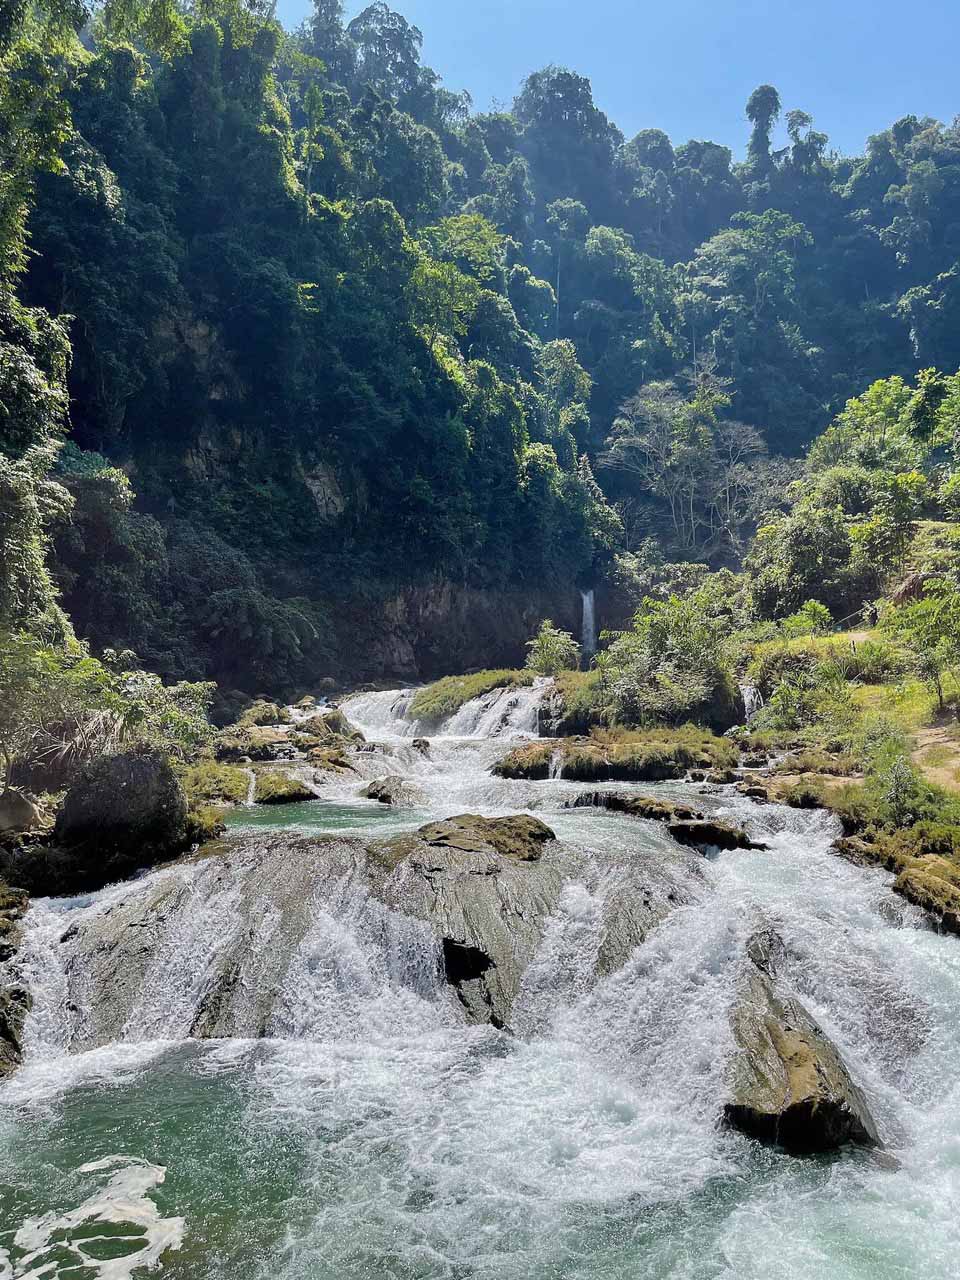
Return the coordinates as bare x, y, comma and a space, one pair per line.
293, 338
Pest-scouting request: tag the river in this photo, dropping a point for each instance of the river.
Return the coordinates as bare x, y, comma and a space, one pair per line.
351, 1126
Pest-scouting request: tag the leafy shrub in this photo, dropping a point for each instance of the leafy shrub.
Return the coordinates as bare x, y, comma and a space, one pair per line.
552, 650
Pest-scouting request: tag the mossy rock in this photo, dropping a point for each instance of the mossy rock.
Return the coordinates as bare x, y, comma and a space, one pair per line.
330, 725
262, 713
204, 824
654, 757
208, 782
277, 787
933, 884
519, 836
648, 807
330, 759
255, 742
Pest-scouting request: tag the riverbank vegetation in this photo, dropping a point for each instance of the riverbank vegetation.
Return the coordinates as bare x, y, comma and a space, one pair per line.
298, 353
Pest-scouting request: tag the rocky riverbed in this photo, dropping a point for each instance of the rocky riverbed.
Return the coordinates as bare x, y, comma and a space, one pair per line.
612, 1013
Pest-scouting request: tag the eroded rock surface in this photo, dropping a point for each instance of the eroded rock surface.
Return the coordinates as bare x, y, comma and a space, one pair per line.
14, 999
486, 885
712, 833
636, 806
394, 790
789, 1085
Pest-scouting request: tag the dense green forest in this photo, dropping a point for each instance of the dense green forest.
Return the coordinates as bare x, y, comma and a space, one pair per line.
287, 327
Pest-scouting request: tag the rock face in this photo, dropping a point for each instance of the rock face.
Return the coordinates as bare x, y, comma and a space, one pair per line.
124, 812
394, 790
14, 1000
788, 1084
486, 887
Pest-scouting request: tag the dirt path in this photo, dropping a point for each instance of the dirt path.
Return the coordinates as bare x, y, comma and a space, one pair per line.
937, 753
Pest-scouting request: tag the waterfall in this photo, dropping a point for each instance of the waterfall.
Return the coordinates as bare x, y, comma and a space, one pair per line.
752, 701
258, 1024
588, 627
556, 764
502, 713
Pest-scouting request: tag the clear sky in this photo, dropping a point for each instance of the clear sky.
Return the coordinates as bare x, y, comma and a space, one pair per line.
688, 66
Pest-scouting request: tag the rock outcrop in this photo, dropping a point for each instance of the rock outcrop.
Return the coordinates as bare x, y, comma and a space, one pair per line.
712, 833
18, 813
788, 1084
394, 790
486, 887
14, 1000
276, 786
635, 806
123, 813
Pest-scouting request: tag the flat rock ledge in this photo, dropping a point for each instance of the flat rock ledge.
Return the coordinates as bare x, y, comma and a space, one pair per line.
635, 806
789, 1086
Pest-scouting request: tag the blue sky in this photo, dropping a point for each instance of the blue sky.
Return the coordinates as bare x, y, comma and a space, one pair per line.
688, 66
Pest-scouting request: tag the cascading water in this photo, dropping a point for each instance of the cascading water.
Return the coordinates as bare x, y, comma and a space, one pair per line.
344, 1123
588, 626
752, 701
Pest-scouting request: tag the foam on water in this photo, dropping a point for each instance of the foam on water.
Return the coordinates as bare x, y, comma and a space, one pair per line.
81, 1240
373, 1134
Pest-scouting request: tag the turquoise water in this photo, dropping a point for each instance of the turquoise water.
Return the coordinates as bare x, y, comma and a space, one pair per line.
324, 816
380, 1137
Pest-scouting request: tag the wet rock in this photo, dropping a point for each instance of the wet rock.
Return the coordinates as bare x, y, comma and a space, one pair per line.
14, 1000
518, 836
856, 850
754, 761
788, 1084
123, 813
274, 786
252, 742
14, 1007
636, 806
422, 745
712, 833
13, 904
721, 777
933, 884
486, 887
753, 791
394, 790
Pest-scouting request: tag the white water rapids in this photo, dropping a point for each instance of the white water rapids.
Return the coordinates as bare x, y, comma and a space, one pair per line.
346, 1124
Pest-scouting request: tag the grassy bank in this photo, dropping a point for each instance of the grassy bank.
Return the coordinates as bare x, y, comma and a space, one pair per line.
437, 701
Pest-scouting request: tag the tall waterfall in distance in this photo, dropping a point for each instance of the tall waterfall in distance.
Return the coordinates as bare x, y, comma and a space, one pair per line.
588, 627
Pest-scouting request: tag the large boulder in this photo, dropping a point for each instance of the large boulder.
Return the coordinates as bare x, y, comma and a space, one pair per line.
123, 813
789, 1085
486, 888
330, 725
394, 790
276, 786
712, 833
